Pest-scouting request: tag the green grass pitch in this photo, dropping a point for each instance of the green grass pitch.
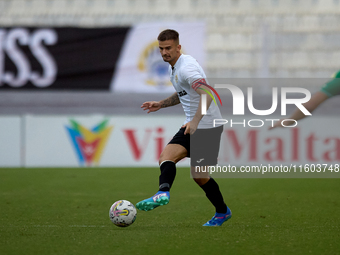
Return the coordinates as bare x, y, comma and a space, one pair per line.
66, 211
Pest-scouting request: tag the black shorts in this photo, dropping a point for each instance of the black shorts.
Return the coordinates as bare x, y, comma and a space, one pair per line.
202, 147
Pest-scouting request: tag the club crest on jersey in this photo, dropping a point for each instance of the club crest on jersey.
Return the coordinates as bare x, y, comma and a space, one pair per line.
176, 78
182, 93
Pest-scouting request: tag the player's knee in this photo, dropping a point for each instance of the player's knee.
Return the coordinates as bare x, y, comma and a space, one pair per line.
201, 181
172, 153
163, 157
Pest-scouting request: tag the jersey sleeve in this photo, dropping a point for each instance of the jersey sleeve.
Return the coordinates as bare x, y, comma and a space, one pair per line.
191, 74
332, 87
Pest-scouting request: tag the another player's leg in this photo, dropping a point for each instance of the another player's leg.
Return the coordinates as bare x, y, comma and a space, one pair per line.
213, 193
171, 154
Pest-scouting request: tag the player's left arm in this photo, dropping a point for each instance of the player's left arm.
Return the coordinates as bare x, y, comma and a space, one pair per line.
330, 89
317, 99
200, 89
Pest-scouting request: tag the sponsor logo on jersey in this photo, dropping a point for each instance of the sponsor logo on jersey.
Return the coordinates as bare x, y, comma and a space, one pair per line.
182, 93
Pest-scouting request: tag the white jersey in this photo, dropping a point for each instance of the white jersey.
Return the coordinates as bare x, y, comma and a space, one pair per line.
185, 72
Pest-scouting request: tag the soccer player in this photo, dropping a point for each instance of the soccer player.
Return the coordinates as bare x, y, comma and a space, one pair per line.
186, 73
330, 89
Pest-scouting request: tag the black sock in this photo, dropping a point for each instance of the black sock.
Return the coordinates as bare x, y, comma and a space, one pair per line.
167, 177
213, 193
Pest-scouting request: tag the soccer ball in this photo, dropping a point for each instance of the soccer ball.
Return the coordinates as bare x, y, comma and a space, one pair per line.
123, 213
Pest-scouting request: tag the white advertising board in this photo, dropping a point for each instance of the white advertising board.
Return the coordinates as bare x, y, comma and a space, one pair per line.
313, 140
10, 141
105, 141
118, 141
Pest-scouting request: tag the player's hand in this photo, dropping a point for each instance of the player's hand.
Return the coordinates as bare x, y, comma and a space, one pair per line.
151, 106
190, 128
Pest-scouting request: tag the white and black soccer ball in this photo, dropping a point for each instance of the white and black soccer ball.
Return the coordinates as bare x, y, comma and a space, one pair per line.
123, 213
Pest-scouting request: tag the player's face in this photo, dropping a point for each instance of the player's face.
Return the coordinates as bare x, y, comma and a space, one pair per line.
170, 51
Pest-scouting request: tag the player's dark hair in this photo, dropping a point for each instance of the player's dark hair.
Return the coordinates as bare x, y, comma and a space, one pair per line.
168, 34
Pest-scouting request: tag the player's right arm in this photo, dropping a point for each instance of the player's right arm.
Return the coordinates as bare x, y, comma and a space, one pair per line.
170, 101
153, 106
